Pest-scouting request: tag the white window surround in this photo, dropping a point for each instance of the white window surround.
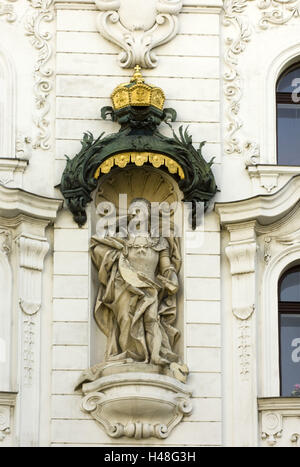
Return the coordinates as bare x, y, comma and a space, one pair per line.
266, 175
8, 106
271, 215
270, 380
268, 82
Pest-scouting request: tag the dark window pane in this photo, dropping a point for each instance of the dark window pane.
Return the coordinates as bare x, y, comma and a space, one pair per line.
288, 134
290, 287
290, 353
289, 82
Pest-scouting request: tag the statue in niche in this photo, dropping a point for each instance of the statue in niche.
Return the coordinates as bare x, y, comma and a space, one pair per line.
136, 303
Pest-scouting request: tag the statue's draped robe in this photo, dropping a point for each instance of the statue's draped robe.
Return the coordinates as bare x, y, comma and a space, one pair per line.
105, 255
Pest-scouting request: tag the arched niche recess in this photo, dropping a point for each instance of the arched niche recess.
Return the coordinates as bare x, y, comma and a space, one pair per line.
154, 186
140, 293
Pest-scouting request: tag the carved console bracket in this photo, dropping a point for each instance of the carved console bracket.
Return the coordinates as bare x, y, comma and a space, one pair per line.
32, 253
138, 108
146, 405
137, 31
279, 421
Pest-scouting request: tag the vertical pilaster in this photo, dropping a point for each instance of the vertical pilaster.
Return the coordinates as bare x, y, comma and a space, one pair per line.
241, 253
32, 251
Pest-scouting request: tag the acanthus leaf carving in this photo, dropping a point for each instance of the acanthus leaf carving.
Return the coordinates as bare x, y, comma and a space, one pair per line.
42, 13
234, 16
274, 13
295, 439
8, 10
252, 153
4, 422
5, 241
278, 12
271, 427
23, 147
138, 32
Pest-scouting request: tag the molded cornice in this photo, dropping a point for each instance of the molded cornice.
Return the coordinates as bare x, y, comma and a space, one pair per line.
201, 5
14, 201
266, 209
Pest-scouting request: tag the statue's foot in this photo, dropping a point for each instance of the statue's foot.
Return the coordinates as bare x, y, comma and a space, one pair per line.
159, 361
180, 371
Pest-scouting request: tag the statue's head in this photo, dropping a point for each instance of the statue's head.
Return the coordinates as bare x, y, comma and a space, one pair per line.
139, 204
140, 212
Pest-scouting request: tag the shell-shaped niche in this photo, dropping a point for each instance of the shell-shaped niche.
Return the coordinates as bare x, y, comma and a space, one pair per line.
136, 182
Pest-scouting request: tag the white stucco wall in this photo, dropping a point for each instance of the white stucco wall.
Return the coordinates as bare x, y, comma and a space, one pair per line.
219, 73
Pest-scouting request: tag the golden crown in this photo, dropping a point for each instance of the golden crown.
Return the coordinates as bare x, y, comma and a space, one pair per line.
137, 93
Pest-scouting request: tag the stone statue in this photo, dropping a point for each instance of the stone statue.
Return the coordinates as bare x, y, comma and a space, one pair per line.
136, 303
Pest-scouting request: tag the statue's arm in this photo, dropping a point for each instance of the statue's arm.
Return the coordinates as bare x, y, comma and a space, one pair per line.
99, 248
167, 270
98, 253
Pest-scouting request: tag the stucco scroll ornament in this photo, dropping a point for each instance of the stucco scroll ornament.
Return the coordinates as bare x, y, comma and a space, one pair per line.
252, 153
271, 429
5, 241
4, 422
235, 18
42, 13
295, 440
144, 417
137, 31
8, 10
278, 12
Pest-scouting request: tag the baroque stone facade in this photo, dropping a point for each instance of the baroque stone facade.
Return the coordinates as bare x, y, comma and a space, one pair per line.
217, 63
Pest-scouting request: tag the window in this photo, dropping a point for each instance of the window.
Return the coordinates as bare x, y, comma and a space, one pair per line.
288, 116
289, 332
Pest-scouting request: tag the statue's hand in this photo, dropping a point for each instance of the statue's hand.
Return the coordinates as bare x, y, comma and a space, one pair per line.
171, 286
148, 281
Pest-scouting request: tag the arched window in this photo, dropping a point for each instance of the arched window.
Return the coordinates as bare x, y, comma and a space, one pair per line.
288, 116
289, 332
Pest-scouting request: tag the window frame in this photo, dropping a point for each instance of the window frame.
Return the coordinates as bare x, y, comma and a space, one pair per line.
284, 98
285, 308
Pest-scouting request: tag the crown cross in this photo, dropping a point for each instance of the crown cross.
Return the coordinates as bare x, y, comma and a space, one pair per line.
137, 75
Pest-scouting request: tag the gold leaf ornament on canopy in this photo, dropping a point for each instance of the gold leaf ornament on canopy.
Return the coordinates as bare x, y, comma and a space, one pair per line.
139, 159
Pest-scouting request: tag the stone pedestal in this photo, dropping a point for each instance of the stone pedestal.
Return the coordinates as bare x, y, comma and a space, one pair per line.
137, 405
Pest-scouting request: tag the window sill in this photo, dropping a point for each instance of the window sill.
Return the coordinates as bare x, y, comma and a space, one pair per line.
279, 421
268, 178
